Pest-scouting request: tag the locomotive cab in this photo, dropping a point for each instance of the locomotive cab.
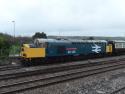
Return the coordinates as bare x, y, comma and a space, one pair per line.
31, 52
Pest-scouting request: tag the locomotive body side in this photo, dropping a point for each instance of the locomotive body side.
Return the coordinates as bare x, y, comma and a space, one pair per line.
44, 49
75, 48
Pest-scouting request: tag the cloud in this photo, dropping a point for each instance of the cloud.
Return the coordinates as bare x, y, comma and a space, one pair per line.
70, 17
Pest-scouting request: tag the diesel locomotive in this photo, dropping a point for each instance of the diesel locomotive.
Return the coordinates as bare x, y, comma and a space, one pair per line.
54, 49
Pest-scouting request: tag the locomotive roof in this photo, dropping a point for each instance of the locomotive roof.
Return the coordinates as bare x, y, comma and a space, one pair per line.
40, 40
87, 40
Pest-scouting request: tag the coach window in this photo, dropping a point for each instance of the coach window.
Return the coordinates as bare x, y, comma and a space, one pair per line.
123, 45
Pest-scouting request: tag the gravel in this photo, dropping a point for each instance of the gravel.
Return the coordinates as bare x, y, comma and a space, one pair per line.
98, 84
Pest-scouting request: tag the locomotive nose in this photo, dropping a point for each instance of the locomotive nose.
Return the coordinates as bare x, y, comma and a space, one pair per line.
32, 52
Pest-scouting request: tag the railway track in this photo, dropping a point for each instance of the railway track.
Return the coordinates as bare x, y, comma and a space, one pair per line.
23, 72
9, 67
12, 67
57, 75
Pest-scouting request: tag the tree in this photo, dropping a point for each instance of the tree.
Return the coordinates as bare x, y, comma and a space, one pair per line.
91, 38
4, 45
39, 35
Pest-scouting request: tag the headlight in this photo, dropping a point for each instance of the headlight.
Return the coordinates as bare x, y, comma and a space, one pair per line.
24, 55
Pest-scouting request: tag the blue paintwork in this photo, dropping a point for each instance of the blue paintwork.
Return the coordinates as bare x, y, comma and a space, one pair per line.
75, 48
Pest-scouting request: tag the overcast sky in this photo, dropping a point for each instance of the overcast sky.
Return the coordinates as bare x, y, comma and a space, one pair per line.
63, 17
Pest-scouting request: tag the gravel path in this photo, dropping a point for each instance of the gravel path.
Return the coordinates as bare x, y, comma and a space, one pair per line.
98, 84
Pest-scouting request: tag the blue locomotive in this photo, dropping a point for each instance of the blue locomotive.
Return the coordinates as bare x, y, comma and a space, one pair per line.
45, 49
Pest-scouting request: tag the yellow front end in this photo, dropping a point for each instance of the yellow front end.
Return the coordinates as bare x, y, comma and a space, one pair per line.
27, 52
109, 48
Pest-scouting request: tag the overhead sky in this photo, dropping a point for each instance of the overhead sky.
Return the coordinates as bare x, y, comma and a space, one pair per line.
63, 17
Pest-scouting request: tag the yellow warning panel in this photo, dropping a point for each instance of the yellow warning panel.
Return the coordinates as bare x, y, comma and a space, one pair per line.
33, 52
109, 48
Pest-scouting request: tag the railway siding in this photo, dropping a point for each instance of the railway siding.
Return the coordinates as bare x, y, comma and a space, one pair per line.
57, 77
64, 72
13, 81
45, 69
102, 60
50, 81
